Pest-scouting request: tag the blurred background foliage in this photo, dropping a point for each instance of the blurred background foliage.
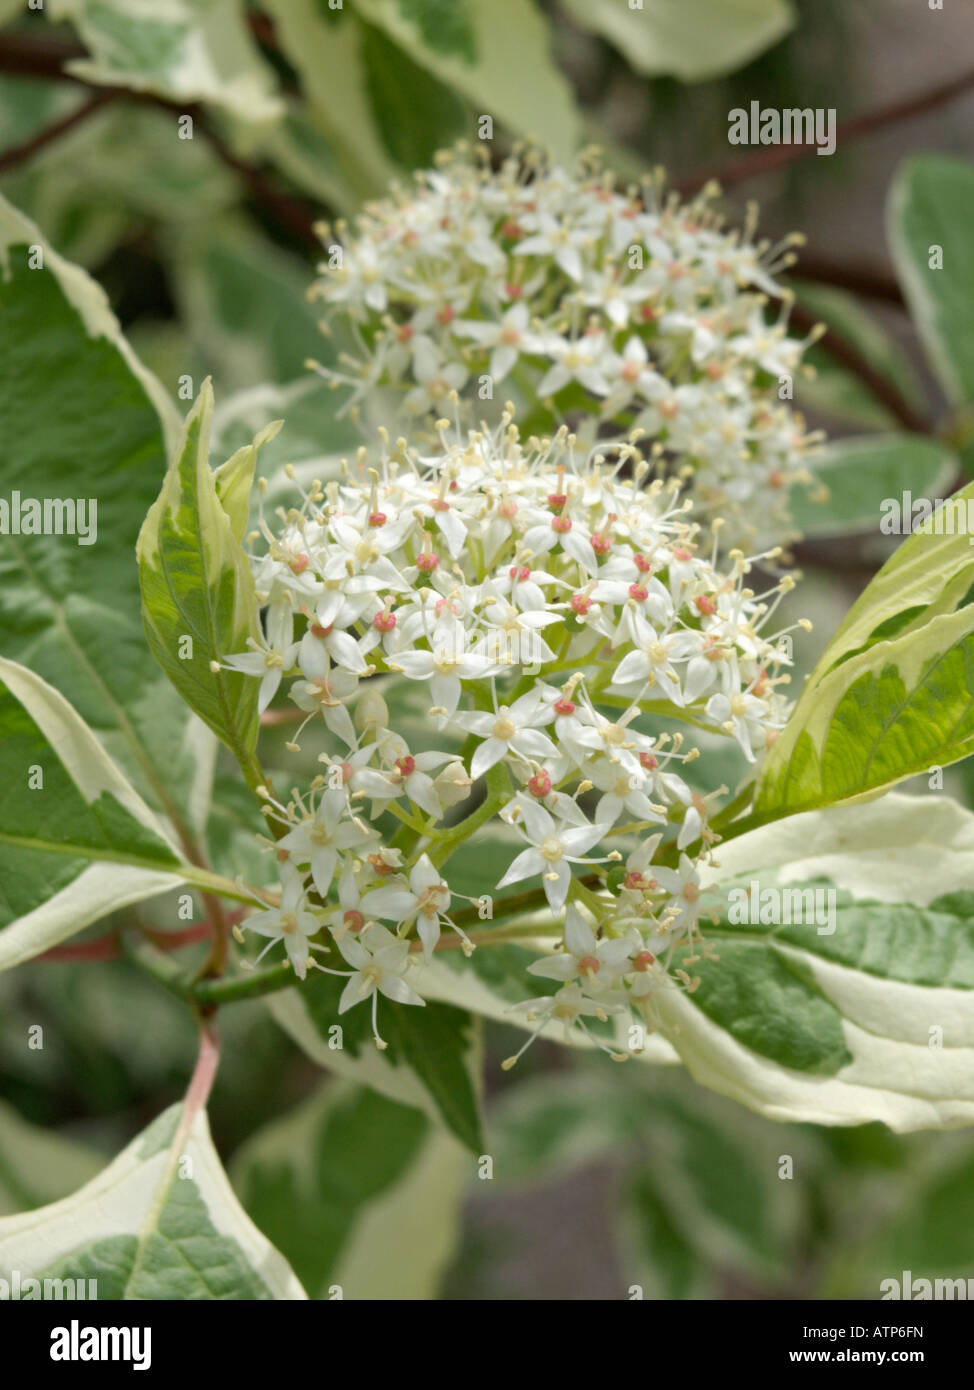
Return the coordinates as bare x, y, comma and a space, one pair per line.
604, 1179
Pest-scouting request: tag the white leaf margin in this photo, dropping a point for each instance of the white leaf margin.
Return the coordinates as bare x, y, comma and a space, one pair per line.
371, 1067
219, 62
129, 1194
90, 302
904, 849
100, 888
401, 1242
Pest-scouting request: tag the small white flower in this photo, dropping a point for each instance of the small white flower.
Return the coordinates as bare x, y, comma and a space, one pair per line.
292, 922
744, 716
320, 839
267, 660
597, 963
554, 848
427, 899
568, 1007
506, 338
379, 961
684, 886
513, 729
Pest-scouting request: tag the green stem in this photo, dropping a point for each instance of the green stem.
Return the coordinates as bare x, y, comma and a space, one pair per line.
498, 794
595, 904
155, 963
733, 808
207, 994
210, 882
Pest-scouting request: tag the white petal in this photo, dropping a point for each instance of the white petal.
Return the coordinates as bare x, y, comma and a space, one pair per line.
557, 892
394, 987
323, 861
429, 933
394, 904
528, 863
560, 967
579, 936
487, 755
353, 993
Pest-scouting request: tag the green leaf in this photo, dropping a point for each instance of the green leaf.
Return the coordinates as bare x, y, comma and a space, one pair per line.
234, 831
38, 1166
929, 1233
97, 184
765, 1002
929, 574
245, 306
705, 1198
555, 1123
327, 56
931, 205
500, 60
693, 40
855, 1037
360, 1193
161, 1222
198, 599
833, 389
414, 113
433, 1058
702, 1193
861, 473
72, 390
903, 706
78, 841
29, 104
664, 1259
189, 50
300, 150
446, 26
312, 441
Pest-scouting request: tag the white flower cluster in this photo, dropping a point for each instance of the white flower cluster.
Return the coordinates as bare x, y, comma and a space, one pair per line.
607, 304
548, 605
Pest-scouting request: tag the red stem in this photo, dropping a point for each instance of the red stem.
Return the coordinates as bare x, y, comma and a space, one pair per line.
201, 1082
16, 154
764, 161
107, 947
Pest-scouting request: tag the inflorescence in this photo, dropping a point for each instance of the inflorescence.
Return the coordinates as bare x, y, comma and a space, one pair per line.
594, 305
543, 600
